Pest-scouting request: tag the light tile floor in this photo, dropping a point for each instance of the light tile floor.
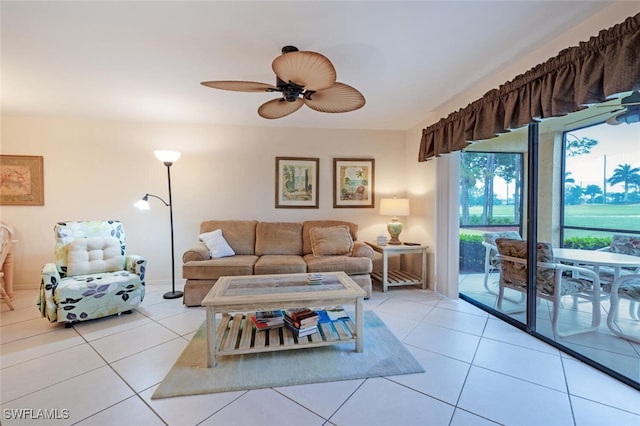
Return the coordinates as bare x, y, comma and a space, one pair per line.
479, 371
601, 345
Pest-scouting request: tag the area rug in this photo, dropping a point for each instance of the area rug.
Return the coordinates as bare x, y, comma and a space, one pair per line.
383, 355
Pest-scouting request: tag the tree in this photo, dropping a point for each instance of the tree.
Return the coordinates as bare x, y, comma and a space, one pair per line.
578, 146
467, 181
489, 174
592, 190
573, 195
626, 175
508, 169
568, 179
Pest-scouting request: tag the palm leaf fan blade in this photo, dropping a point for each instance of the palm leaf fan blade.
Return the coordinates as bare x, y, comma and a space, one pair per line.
338, 98
278, 108
310, 70
240, 86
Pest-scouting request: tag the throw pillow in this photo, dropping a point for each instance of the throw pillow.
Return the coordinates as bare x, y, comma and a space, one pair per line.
94, 255
217, 245
331, 241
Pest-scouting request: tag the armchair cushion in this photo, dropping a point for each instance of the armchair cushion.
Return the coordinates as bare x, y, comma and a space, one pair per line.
331, 241
625, 244
217, 245
94, 255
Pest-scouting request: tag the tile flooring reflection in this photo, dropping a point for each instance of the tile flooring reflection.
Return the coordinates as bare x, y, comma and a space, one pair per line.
479, 371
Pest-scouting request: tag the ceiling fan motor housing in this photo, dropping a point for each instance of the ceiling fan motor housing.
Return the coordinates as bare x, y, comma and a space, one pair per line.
290, 91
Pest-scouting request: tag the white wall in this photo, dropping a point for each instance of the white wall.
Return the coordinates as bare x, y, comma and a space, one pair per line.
98, 169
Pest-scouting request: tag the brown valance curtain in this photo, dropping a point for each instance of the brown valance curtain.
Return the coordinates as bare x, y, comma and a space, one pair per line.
585, 74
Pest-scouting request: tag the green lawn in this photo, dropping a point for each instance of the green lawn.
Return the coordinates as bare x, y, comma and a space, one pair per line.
604, 216
613, 216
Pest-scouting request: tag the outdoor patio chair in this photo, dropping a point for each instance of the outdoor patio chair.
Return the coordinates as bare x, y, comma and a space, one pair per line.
491, 263
623, 244
624, 287
552, 284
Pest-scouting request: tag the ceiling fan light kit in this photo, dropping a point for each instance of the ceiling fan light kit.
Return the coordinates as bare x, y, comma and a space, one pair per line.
303, 78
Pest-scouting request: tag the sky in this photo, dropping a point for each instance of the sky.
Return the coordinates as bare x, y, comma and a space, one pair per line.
620, 144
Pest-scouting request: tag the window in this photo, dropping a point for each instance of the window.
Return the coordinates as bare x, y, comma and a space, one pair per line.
490, 200
601, 184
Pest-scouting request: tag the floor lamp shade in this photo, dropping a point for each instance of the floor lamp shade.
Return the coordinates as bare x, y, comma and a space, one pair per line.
394, 207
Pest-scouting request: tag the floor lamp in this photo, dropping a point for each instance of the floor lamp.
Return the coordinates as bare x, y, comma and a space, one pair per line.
168, 158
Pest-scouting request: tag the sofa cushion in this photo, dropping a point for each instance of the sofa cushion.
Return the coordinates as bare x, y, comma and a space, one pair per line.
278, 238
94, 255
308, 225
215, 268
240, 234
350, 265
331, 241
217, 245
280, 264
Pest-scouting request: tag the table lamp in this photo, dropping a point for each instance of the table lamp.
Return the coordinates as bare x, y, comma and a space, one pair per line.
394, 207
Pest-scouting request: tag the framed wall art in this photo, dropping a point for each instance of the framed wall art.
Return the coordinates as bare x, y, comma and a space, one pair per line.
297, 183
21, 180
353, 182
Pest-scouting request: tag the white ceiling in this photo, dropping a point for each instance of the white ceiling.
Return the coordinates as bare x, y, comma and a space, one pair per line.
143, 61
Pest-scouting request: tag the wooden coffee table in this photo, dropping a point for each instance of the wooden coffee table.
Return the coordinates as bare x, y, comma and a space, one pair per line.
238, 297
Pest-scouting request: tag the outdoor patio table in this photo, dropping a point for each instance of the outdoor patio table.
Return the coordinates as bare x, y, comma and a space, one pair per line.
596, 259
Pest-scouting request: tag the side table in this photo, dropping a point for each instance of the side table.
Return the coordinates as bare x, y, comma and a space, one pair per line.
399, 277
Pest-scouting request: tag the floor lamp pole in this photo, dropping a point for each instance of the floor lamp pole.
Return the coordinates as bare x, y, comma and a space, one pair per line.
173, 294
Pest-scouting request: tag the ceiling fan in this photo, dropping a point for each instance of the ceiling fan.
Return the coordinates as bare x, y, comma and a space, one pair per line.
303, 78
630, 111
627, 112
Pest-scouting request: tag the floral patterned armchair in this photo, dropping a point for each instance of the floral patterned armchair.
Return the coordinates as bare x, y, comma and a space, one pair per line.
92, 276
552, 284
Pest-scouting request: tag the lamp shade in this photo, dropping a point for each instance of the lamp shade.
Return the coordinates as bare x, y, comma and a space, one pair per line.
142, 204
167, 156
394, 207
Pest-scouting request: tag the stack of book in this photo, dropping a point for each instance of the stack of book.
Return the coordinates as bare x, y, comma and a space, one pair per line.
301, 321
313, 279
265, 320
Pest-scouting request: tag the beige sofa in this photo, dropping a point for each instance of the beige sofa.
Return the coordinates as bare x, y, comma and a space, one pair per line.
276, 248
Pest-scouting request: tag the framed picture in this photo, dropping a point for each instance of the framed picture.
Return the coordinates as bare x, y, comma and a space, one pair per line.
21, 180
353, 182
297, 183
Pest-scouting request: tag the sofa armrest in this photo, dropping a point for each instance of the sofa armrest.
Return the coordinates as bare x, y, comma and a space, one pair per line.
197, 252
361, 249
136, 265
50, 280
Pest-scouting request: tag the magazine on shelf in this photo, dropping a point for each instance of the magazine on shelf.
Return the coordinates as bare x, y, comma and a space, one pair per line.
260, 325
270, 317
337, 313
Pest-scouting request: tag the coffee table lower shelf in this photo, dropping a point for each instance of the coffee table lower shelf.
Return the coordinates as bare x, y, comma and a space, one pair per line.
237, 335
